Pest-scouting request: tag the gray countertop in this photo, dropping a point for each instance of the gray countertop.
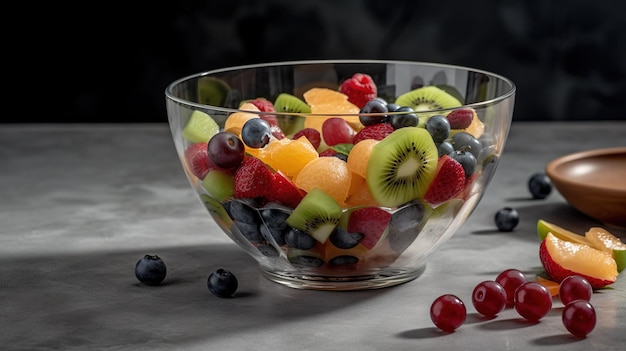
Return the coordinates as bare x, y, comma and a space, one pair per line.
80, 204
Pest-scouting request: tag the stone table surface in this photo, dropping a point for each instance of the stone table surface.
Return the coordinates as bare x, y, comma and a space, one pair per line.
80, 204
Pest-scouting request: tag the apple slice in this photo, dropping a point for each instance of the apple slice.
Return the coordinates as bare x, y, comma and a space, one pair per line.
545, 227
562, 258
602, 239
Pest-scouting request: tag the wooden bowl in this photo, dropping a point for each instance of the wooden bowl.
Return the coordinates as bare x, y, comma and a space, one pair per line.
594, 182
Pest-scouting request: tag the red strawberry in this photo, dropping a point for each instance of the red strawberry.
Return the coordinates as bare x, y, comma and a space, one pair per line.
328, 153
360, 89
371, 222
376, 131
198, 160
284, 191
265, 105
461, 118
252, 179
449, 181
310, 133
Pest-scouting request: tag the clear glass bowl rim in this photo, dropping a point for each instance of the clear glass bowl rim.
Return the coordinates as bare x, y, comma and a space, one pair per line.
169, 90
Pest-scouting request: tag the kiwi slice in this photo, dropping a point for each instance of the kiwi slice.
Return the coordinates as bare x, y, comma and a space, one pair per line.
402, 166
317, 215
200, 127
217, 211
212, 91
427, 98
452, 91
287, 103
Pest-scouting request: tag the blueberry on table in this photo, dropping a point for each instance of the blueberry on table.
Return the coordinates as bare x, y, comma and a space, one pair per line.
539, 185
222, 283
150, 270
506, 219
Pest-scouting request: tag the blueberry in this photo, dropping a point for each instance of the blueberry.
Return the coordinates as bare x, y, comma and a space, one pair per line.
467, 142
343, 260
439, 128
391, 107
306, 261
242, 211
506, 219
150, 270
256, 132
252, 232
466, 159
406, 119
405, 224
222, 283
344, 240
276, 215
268, 250
277, 233
445, 148
376, 105
341, 156
299, 239
539, 185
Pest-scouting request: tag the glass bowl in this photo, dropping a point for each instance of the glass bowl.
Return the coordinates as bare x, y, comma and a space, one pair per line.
327, 190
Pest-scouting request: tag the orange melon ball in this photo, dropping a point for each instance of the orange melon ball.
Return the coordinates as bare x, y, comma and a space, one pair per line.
236, 120
330, 103
359, 194
329, 174
360, 155
287, 155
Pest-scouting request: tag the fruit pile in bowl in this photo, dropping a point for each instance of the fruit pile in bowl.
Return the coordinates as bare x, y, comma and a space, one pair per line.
340, 175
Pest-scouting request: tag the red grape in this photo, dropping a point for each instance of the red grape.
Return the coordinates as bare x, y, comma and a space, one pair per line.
532, 301
579, 318
489, 298
510, 280
337, 131
575, 287
448, 312
226, 150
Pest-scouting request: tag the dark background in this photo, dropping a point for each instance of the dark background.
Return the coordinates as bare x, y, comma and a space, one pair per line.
111, 62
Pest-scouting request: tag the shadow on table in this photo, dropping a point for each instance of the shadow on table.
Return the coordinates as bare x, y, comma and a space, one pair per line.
94, 301
562, 214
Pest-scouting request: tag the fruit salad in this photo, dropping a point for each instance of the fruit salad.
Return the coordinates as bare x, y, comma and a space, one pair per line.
337, 180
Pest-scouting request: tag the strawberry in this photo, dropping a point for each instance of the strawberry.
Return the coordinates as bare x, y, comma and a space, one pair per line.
328, 153
460, 118
376, 131
371, 222
315, 138
284, 191
253, 179
360, 89
448, 182
265, 105
198, 160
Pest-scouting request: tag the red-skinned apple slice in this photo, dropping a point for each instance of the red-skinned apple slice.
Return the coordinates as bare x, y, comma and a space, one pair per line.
562, 258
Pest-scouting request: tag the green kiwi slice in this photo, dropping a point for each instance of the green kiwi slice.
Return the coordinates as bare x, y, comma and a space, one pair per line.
402, 166
287, 103
212, 91
317, 215
427, 98
452, 91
